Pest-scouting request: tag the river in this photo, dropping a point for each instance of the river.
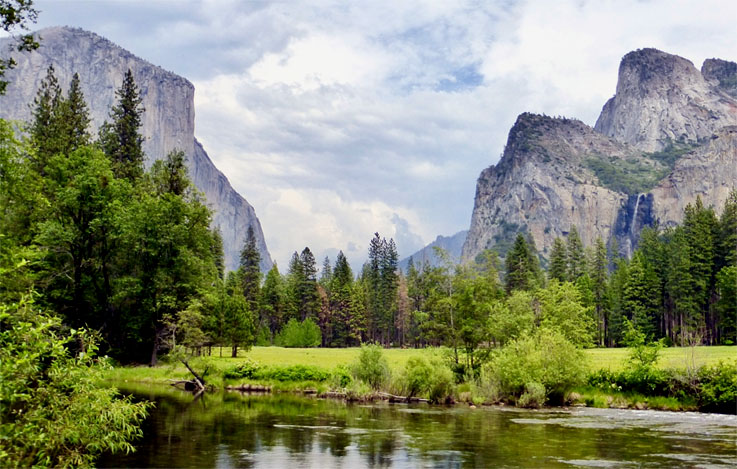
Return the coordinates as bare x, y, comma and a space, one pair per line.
224, 430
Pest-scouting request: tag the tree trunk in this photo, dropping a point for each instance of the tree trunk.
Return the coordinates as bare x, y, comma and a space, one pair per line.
234, 351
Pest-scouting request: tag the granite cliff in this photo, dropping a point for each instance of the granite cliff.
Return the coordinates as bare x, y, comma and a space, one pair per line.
168, 120
667, 136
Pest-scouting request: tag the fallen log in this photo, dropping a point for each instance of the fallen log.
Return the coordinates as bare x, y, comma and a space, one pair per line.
401, 399
249, 388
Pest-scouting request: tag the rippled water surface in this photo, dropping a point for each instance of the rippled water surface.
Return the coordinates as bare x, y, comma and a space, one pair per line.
233, 430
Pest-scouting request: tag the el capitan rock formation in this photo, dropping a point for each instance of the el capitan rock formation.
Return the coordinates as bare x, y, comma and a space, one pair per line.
168, 120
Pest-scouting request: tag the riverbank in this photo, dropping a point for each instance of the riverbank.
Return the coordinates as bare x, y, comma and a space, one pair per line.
325, 372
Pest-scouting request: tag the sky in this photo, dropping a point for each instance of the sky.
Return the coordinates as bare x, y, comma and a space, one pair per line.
339, 119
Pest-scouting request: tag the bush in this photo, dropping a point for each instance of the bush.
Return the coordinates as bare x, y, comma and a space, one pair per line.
431, 379
533, 397
371, 367
293, 373
299, 334
245, 370
546, 358
341, 377
718, 388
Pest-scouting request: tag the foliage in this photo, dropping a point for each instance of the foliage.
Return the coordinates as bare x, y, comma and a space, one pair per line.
371, 367
292, 373
718, 388
432, 379
533, 397
52, 413
299, 334
545, 357
246, 370
631, 175
561, 309
16, 14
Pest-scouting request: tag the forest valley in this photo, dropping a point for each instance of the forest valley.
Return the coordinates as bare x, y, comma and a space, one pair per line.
129, 253
100, 256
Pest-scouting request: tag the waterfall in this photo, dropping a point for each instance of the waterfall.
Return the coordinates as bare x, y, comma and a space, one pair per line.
634, 216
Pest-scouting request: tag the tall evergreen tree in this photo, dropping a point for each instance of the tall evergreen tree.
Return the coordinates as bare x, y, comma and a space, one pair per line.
599, 284
121, 138
558, 261
249, 271
309, 300
76, 119
273, 301
575, 255
46, 125
523, 269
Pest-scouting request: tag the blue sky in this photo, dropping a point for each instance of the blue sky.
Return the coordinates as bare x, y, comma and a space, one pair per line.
340, 119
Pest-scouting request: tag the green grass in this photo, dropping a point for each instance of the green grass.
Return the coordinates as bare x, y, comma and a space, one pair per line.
672, 357
612, 359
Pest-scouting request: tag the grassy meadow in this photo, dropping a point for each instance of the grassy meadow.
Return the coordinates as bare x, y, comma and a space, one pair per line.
328, 358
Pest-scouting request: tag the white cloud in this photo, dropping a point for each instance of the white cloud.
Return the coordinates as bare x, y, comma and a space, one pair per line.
339, 119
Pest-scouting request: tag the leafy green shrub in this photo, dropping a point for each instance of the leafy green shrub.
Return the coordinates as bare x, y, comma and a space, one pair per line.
245, 370
371, 367
441, 388
418, 376
341, 377
299, 334
53, 412
432, 379
533, 397
545, 357
292, 373
718, 388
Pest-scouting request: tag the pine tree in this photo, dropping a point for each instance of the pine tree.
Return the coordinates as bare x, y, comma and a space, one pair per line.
575, 255
218, 253
599, 285
76, 119
326, 274
558, 261
699, 225
249, 271
121, 139
523, 268
726, 250
273, 301
641, 299
45, 127
309, 301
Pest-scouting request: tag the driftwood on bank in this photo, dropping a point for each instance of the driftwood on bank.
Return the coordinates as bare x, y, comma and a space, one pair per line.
197, 384
249, 388
406, 399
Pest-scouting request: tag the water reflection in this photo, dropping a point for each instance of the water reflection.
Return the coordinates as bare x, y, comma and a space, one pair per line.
231, 430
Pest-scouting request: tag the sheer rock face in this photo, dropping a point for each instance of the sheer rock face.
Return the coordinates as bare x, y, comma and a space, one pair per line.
541, 187
168, 120
709, 172
545, 183
662, 98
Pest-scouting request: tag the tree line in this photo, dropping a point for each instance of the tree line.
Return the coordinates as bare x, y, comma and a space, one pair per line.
129, 252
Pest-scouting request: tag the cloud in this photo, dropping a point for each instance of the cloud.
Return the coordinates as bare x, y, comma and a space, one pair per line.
339, 119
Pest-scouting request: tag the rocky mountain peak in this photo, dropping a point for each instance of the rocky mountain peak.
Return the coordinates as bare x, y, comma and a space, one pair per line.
662, 98
723, 72
168, 119
669, 135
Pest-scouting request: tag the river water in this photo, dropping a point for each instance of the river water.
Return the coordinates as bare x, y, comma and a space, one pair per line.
224, 430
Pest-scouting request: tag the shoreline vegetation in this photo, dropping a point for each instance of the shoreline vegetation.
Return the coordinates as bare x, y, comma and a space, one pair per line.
411, 376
